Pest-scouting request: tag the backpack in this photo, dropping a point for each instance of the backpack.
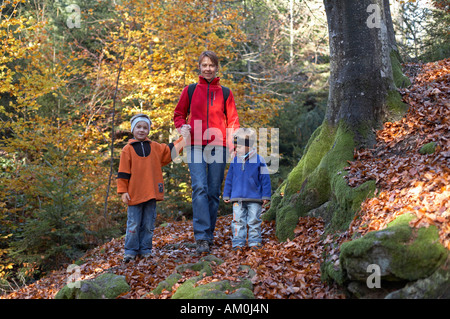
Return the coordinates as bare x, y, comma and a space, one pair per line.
225, 91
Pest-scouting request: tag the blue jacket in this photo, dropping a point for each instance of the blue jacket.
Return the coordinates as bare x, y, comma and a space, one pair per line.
246, 180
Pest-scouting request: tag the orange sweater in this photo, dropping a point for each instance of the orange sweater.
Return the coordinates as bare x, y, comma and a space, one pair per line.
140, 169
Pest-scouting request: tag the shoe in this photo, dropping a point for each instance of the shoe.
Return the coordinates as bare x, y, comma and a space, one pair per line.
202, 246
237, 248
256, 247
128, 258
148, 255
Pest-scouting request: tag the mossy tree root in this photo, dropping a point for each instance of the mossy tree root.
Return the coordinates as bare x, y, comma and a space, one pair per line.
319, 178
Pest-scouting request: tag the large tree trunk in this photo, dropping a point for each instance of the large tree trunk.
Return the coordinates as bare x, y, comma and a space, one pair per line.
362, 94
361, 72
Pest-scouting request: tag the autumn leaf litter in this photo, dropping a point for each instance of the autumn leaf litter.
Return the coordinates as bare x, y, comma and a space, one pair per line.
283, 270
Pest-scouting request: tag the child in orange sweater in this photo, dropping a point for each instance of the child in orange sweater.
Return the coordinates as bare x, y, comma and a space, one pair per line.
140, 184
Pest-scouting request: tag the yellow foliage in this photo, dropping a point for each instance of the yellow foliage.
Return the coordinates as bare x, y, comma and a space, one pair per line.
162, 42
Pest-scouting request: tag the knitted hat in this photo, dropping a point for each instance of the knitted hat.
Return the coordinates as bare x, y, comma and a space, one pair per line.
138, 118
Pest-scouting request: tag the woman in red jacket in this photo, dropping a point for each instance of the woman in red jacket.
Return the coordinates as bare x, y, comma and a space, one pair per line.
206, 119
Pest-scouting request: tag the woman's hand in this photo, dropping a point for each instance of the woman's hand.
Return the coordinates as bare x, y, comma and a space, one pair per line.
185, 130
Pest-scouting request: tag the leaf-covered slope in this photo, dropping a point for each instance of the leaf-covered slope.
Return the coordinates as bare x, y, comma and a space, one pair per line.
411, 161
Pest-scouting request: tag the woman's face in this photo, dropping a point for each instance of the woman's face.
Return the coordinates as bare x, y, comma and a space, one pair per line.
208, 69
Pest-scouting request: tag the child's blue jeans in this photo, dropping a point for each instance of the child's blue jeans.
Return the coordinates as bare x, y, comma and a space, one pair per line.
140, 227
246, 213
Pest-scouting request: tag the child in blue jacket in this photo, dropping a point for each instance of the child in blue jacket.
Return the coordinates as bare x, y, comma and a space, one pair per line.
248, 187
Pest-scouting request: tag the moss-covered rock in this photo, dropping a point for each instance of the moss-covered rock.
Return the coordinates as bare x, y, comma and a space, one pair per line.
203, 266
401, 252
105, 286
167, 284
428, 148
190, 289
436, 286
332, 272
214, 290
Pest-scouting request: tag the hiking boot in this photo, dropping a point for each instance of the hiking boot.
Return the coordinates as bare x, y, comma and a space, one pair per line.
128, 258
256, 247
237, 248
147, 255
202, 246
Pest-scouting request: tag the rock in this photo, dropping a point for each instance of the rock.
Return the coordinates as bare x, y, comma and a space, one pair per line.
214, 290
361, 291
105, 286
437, 286
190, 289
167, 284
400, 252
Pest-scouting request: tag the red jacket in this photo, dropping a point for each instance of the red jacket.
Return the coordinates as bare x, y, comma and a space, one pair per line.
208, 119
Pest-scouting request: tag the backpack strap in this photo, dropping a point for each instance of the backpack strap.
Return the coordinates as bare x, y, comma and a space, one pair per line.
191, 89
225, 92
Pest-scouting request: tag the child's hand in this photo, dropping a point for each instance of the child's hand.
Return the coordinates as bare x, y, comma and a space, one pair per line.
265, 201
125, 198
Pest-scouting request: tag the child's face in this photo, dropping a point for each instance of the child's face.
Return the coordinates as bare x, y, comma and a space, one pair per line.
141, 131
241, 150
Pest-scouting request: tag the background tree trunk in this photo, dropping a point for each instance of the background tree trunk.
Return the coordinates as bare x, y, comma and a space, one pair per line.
362, 95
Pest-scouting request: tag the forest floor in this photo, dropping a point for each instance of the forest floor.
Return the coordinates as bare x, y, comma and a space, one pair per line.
407, 181
283, 270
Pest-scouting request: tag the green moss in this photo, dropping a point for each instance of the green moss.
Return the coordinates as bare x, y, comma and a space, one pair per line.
202, 267
347, 201
187, 289
242, 293
213, 290
167, 284
395, 105
402, 252
277, 196
400, 80
428, 148
321, 142
318, 178
241, 289
297, 199
332, 274
105, 286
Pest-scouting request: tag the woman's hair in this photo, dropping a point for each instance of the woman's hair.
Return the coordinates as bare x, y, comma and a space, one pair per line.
211, 55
